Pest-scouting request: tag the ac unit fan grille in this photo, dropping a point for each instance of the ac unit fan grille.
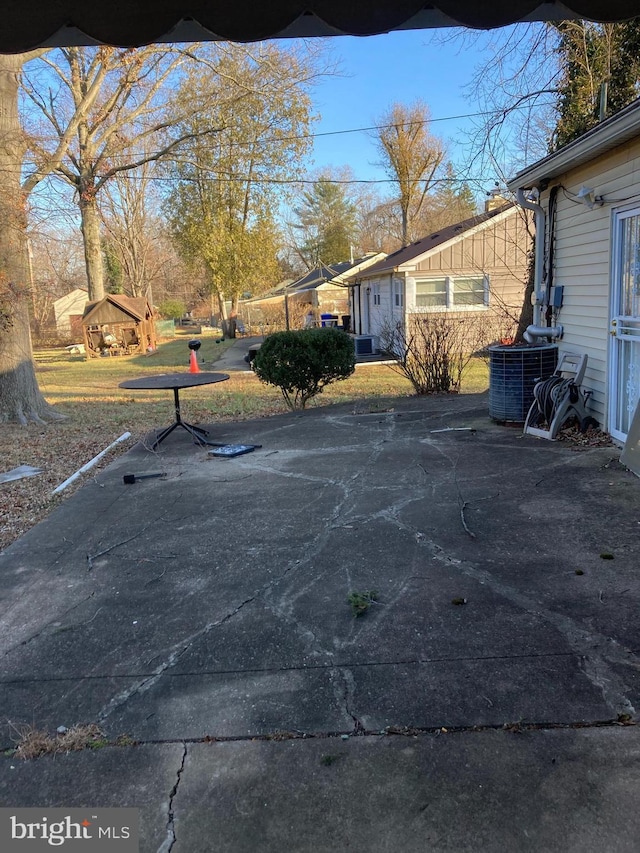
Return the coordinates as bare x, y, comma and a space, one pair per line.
365, 345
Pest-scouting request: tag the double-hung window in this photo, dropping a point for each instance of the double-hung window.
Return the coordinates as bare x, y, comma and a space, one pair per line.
452, 292
431, 293
398, 293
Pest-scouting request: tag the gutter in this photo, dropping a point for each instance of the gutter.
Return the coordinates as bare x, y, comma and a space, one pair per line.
540, 221
612, 132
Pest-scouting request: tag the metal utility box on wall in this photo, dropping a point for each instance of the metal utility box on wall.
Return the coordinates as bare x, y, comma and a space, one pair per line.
513, 373
557, 294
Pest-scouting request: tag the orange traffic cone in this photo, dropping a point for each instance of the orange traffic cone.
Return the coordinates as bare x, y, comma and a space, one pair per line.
193, 363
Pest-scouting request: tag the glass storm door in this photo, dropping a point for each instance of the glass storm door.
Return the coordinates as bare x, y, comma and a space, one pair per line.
625, 323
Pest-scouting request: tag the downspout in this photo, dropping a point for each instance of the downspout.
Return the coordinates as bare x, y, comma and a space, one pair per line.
538, 269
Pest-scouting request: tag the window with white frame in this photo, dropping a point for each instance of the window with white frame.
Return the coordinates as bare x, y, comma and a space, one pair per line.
375, 289
398, 293
452, 292
431, 293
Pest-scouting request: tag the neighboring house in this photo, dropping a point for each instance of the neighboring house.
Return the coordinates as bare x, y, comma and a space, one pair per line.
588, 271
323, 290
68, 311
478, 265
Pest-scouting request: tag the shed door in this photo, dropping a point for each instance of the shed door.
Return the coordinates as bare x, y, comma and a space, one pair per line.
625, 323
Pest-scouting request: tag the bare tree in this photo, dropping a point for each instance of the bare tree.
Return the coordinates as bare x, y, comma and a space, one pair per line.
131, 230
411, 156
105, 110
541, 86
56, 270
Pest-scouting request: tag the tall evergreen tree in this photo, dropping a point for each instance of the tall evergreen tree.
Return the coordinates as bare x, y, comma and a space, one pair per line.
326, 224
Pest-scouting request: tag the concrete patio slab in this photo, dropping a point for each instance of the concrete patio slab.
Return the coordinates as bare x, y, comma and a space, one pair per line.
206, 617
564, 790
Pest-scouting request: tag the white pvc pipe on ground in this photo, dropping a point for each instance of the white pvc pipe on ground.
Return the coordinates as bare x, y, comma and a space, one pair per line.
90, 463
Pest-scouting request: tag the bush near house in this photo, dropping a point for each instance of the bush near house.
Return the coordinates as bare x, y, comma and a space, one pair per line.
302, 363
433, 349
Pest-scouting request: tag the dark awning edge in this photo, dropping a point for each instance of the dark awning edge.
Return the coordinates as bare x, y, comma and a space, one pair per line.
127, 23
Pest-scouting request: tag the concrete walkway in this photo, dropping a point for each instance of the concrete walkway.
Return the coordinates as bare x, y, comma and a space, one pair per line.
232, 359
481, 704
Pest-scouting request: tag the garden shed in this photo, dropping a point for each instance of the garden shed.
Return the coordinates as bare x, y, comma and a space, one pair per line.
118, 325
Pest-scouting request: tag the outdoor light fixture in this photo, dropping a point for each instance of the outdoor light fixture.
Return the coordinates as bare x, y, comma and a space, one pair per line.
588, 196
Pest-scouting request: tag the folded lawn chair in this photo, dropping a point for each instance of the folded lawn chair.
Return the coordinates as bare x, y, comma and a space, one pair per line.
559, 398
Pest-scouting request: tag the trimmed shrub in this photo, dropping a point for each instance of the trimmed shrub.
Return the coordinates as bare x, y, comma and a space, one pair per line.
304, 362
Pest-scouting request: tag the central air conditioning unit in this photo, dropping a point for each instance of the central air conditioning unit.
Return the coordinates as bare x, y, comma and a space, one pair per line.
366, 344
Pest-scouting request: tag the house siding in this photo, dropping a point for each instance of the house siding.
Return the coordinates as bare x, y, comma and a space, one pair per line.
582, 260
384, 314
71, 304
497, 249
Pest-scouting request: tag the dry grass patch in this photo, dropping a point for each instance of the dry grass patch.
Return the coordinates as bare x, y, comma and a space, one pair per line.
34, 743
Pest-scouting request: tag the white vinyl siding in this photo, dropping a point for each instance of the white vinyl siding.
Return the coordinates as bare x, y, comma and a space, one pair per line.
583, 260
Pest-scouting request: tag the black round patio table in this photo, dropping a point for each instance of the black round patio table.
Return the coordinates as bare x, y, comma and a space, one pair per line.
176, 382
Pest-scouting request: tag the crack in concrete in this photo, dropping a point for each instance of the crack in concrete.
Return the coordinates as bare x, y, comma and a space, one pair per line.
48, 625
349, 487
170, 840
592, 648
348, 698
600, 648
306, 667
174, 656
92, 557
179, 649
512, 727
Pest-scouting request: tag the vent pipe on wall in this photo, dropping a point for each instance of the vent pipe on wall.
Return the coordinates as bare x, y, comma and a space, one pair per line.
534, 332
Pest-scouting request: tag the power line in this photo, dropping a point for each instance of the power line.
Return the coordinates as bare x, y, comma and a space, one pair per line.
364, 129
256, 179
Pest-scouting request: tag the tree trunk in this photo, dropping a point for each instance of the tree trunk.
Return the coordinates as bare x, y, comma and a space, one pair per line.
405, 222
20, 397
526, 314
90, 227
222, 306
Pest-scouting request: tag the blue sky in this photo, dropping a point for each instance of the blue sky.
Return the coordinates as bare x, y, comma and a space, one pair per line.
379, 70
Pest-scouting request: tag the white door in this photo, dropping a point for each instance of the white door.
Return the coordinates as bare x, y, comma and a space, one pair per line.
625, 323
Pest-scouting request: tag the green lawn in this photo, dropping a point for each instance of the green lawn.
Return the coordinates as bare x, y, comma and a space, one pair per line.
87, 390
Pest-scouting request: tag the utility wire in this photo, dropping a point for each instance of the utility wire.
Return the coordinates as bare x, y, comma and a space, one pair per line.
269, 140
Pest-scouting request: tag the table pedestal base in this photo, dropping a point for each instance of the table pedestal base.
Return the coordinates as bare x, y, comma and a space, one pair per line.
197, 432
176, 381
